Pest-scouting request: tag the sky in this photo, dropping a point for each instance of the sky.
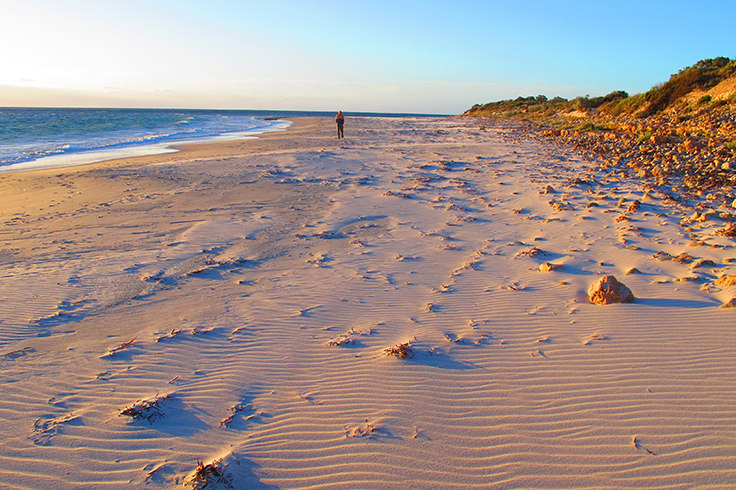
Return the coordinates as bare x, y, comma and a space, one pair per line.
419, 56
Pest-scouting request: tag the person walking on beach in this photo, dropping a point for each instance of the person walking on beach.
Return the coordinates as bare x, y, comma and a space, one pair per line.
340, 120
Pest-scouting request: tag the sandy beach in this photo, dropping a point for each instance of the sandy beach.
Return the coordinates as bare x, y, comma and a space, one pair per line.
298, 311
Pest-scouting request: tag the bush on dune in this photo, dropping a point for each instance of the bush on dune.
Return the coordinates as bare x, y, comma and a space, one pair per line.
703, 75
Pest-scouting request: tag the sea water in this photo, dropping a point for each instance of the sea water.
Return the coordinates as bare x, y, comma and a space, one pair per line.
80, 135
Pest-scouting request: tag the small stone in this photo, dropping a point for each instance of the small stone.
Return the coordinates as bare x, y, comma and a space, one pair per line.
708, 215
683, 258
728, 231
688, 279
661, 256
607, 290
632, 247
633, 270
703, 263
547, 267
730, 304
548, 190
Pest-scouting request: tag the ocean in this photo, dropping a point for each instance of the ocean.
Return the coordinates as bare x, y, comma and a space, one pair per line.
47, 137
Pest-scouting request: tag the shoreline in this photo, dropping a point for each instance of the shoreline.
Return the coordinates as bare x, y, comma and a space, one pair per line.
299, 311
99, 156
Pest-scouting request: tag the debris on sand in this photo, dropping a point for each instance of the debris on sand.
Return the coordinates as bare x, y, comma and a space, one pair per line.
213, 473
402, 351
148, 409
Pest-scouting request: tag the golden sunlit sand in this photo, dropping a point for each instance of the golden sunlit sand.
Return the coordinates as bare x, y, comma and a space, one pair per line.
302, 312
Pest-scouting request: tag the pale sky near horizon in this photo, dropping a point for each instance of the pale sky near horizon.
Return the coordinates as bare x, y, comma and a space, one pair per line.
426, 56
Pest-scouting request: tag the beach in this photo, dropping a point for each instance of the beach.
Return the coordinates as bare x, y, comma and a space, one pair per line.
297, 311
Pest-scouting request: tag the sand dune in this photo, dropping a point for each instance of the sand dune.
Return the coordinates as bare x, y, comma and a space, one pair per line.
239, 299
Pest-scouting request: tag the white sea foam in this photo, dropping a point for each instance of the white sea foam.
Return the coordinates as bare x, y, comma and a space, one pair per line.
59, 160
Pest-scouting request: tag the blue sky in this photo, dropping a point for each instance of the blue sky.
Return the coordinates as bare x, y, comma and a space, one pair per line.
397, 56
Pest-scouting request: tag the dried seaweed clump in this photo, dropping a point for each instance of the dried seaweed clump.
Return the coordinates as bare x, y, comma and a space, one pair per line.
224, 423
347, 338
362, 431
402, 351
213, 473
149, 409
530, 252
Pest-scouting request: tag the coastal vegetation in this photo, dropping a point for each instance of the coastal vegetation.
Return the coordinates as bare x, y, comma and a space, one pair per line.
680, 135
698, 78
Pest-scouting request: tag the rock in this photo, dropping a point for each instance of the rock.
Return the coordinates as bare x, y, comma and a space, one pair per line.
725, 281
730, 304
633, 270
683, 258
689, 279
546, 267
708, 215
661, 256
607, 290
703, 263
692, 146
728, 231
548, 190
635, 206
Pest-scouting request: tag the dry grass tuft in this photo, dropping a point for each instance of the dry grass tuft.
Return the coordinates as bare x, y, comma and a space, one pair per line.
213, 473
149, 409
112, 351
402, 351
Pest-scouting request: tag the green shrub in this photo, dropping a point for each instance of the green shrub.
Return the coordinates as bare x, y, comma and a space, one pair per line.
627, 105
589, 126
706, 99
703, 75
731, 145
645, 136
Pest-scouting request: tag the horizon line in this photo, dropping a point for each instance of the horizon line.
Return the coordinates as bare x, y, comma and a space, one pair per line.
222, 109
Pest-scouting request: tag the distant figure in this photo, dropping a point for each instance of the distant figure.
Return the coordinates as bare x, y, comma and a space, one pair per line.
340, 120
